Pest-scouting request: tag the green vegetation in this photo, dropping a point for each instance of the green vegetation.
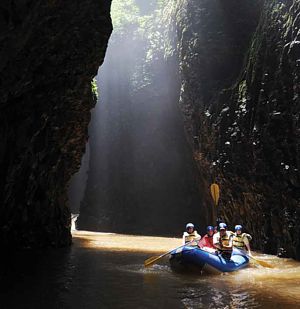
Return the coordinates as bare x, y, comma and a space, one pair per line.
94, 87
143, 26
125, 14
242, 91
127, 18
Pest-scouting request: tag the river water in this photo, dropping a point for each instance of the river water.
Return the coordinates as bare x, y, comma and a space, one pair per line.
105, 270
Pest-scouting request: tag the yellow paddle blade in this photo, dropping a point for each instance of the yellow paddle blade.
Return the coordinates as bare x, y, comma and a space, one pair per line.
262, 263
215, 192
151, 260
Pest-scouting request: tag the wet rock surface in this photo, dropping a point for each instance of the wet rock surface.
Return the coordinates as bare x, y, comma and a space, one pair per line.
240, 100
50, 51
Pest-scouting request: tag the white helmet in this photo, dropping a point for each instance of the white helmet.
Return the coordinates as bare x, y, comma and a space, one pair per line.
189, 225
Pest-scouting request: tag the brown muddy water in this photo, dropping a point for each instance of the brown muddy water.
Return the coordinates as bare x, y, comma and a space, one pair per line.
106, 271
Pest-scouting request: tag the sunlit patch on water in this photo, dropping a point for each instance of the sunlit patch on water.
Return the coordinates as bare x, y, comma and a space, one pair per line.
252, 287
128, 243
102, 270
281, 282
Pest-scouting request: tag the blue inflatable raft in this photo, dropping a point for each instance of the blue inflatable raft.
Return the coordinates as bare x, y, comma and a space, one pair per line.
191, 258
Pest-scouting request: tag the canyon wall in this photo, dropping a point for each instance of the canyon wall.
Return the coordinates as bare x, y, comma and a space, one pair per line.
239, 64
230, 67
50, 51
236, 71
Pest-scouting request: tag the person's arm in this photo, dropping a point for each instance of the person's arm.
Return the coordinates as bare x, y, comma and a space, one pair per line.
183, 239
247, 244
197, 236
230, 241
249, 250
216, 242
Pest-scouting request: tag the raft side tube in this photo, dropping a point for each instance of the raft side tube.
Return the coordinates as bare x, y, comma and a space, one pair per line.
200, 258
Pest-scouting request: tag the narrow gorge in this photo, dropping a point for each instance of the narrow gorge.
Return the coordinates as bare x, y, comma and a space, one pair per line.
191, 92
233, 69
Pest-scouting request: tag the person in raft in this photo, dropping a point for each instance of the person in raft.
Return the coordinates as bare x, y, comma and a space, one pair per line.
206, 242
223, 241
241, 240
190, 234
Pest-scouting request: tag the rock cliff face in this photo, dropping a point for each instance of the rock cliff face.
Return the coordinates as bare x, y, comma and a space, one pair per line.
239, 65
238, 85
50, 51
236, 77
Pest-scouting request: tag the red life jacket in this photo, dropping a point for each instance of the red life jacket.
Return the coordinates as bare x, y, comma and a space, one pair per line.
206, 241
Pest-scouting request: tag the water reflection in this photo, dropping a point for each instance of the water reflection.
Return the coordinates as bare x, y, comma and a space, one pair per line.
90, 276
254, 287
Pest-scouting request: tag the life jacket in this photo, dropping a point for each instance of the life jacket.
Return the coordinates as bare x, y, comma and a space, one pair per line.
225, 239
206, 241
189, 237
238, 240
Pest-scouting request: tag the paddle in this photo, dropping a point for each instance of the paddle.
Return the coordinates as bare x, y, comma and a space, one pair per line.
153, 259
260, 262
215, 193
